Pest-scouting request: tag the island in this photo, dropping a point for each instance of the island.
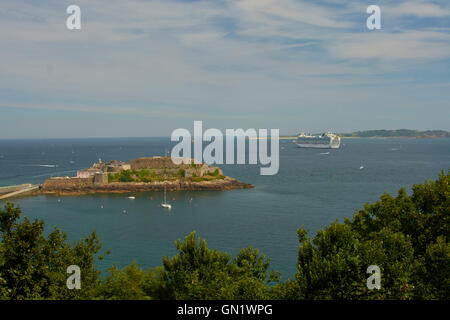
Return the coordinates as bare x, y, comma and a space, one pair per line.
142, 174
400, 133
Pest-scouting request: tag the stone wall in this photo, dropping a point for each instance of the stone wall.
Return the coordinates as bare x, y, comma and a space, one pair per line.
154, 163
158, 164
201, 171
101, 178
9, 189
67, 183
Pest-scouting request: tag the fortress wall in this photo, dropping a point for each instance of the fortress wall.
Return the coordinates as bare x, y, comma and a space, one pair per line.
161, 171
67, 183
188, 171
158, 165
101, 178
150, 163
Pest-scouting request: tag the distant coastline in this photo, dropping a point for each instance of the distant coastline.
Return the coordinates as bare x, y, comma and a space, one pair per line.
401, 133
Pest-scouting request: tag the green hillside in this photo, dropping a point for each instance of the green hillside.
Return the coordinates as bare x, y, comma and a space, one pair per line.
403, 133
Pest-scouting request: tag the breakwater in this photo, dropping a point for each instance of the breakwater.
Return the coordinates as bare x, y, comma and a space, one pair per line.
18, 190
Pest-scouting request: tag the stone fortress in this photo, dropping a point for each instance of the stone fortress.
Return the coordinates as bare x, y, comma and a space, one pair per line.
161, 165
103, 167
97, 174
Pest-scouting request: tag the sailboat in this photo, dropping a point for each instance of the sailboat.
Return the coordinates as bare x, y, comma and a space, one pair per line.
165, 204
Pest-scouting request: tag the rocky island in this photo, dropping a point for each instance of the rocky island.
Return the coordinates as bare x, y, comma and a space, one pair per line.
142, 174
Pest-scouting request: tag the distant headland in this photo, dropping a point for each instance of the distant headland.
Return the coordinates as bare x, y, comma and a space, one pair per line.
401, 133
142, 174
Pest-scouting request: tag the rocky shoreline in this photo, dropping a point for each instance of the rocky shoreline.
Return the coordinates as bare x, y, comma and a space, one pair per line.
126, 187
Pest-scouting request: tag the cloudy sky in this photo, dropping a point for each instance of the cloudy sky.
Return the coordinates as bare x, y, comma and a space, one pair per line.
145, 68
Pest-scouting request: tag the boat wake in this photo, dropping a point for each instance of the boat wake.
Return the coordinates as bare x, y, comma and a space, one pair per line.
43, 165
324, 153
51, 174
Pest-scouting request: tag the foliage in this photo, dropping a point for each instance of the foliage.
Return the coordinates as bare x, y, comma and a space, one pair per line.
126, 284
196, 272
122, 176
406, 236
214, 173
125, 176
33, 266
145, 175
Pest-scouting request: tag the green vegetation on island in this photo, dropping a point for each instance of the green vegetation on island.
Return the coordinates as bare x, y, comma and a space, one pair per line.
401, 133
407, 236
146, 175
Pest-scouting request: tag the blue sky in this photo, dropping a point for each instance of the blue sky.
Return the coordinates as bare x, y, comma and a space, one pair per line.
145, 68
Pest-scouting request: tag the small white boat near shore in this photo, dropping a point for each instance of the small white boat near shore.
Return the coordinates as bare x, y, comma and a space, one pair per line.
131, 198
165, 204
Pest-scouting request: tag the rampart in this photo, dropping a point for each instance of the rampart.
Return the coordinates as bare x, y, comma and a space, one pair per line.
64, 183
156, 163
70, 183
159, 164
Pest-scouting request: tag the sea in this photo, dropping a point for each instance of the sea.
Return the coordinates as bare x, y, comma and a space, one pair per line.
313, 188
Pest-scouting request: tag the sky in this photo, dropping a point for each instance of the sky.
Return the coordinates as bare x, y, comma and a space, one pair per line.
146, 68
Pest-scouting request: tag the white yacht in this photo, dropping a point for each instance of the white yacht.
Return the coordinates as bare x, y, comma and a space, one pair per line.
165, 204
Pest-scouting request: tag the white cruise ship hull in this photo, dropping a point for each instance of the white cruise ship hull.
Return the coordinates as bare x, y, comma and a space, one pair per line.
317, 146
323, 141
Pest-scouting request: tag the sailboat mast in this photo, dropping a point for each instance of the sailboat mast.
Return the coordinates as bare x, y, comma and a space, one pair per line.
165, 201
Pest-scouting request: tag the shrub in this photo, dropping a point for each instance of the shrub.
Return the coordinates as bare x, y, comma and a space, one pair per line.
181, 173
125, 176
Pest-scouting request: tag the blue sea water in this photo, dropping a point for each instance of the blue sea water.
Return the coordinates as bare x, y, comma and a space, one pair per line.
313, 188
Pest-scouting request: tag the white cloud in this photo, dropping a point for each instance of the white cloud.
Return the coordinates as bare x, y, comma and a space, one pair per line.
393, 46
211, 58
418, 9
278, 12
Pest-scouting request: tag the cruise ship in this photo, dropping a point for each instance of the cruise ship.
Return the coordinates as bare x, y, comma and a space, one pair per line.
323, 141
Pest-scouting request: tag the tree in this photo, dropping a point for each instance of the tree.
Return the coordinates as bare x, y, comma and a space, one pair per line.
130, 283
33, 266
406, 236
125, 176
197, 272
